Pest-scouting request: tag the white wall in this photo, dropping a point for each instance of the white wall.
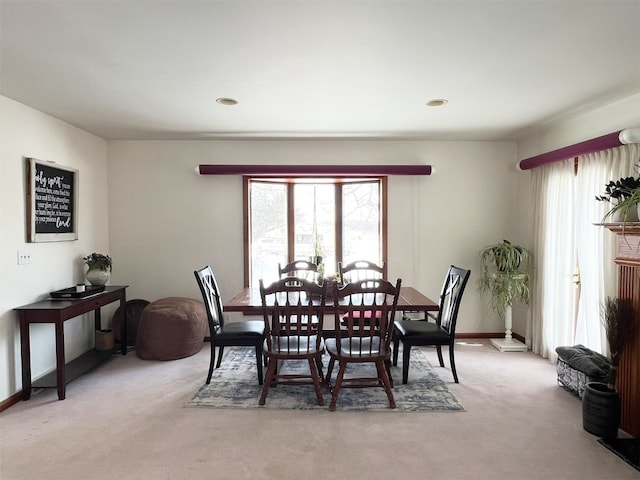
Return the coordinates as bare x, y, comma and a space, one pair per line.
26, 132
160, 221
166, 221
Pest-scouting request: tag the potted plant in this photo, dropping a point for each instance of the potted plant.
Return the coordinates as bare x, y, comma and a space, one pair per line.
505, 277
100, 266
601, 401
624, 196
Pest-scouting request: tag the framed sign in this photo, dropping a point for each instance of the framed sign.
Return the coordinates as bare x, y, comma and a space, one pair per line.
52, 200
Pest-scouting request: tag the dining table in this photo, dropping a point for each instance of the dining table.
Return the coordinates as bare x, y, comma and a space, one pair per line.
248, 302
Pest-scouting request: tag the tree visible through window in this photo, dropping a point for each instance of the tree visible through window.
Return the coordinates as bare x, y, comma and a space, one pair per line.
303, 218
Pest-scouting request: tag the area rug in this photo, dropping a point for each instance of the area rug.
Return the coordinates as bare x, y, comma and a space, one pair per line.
234, 385
628, 449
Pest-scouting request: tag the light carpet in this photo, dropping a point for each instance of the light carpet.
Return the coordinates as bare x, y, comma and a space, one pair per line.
234, 385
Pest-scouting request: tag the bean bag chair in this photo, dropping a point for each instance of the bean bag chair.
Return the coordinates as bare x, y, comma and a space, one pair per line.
171, 328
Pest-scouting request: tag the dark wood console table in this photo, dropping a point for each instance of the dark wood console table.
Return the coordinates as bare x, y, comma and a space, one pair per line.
57, 312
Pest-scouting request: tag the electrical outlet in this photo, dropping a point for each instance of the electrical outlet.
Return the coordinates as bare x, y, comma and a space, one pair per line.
23, 258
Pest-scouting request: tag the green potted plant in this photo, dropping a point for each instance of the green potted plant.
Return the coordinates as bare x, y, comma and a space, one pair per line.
601, 401
624, 196
504, 274
505, 277
100, 266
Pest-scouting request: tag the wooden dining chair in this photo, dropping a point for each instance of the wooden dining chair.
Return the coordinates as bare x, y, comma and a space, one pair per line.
299, 268
441, 332
360, 339
284, 302
245, 333
360, 270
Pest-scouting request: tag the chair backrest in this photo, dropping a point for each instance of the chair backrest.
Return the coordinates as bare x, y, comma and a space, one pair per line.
360, 270
288, 307
366, 309
211, 297
452, 290
299, 268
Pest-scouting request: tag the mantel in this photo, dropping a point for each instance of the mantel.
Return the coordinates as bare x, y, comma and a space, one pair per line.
625, 228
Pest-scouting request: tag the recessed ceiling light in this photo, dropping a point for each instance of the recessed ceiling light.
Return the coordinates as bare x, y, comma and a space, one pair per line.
438, 102
226, 101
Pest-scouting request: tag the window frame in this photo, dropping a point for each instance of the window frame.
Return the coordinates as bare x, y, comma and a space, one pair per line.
290, 182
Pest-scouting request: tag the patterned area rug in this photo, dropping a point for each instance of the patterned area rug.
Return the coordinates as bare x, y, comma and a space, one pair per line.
234, 385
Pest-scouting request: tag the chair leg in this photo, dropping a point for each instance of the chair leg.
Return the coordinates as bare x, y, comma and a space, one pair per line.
332, 362
396, 346
439, 350
212, 361
406, 354
386, 383
320, 368
387, 364
259, 363
313, 367
220, 353
336, 389
271, 372
453, 364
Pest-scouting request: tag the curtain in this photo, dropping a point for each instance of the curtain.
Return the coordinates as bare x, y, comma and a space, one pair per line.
566, 243
554, 259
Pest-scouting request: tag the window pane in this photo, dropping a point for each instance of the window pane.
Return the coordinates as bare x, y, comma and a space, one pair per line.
268, 239
315, 214
361, 222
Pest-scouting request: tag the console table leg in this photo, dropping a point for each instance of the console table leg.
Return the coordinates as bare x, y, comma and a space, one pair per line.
60, 363
25, 346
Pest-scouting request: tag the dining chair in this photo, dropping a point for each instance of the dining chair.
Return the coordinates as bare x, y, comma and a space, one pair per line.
244, 333
360, 270
284, 302
299, 268
424, 332
360, 340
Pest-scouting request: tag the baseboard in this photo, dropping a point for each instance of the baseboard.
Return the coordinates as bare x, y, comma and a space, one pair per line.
10, 401
516, 336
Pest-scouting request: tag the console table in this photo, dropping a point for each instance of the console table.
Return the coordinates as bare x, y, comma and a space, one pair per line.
57, 312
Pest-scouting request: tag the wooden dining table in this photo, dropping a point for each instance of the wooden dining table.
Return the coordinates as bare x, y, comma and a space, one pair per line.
248, 302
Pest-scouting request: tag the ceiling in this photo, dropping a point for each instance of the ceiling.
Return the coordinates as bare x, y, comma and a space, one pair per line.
317, 69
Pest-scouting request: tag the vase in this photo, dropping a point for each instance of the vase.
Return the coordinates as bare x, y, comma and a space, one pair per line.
97, 276
600, 410
631, 216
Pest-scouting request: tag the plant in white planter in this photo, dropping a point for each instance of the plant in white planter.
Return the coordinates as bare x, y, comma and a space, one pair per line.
100, 266
505, 277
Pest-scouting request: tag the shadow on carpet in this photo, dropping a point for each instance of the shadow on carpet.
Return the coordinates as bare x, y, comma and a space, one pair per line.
234, 385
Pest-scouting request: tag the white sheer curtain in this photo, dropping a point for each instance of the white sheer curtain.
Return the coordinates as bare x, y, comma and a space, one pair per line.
554, 259
567, 242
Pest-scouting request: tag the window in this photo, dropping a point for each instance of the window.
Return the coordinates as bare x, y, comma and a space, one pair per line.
338, 219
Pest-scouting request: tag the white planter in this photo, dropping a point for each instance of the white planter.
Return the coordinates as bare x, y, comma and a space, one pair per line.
632, 215
96, 276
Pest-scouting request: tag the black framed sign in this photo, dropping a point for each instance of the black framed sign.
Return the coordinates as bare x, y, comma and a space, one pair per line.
52, 198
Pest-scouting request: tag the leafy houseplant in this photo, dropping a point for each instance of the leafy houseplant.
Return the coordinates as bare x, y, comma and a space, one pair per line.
98, 261
624, 196
505, 274
99, 268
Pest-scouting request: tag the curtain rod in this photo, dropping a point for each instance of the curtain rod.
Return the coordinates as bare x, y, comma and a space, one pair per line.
313, 170
611, 140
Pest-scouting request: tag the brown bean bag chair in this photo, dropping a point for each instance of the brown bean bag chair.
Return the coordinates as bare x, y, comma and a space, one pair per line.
171, 328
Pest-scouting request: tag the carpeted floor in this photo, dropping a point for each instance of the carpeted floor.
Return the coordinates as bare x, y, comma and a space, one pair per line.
234, 385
